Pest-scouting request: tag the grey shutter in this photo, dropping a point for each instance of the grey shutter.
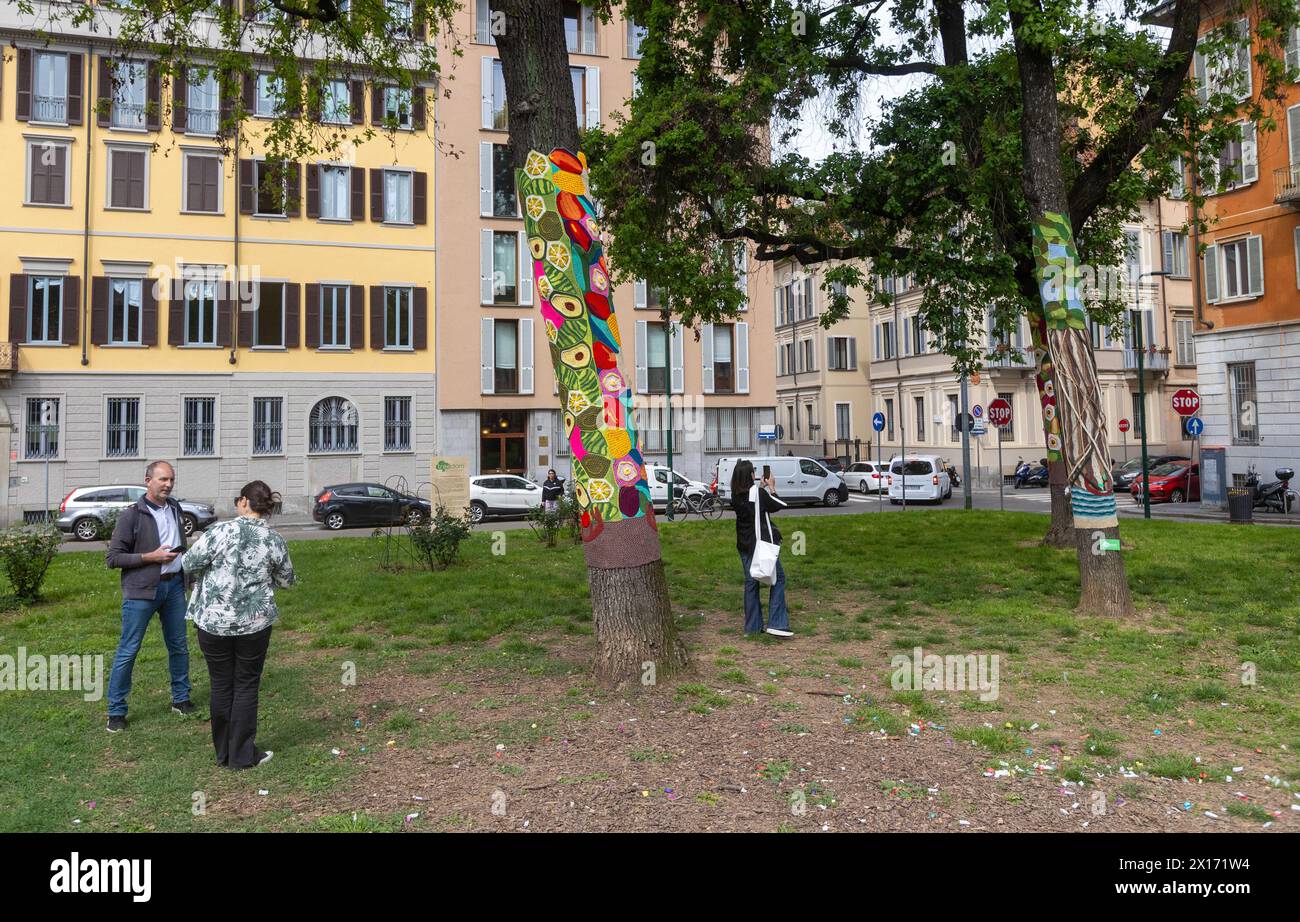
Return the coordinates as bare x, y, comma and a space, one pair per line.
1255, 264
525, 286
642, 357
706, 357
1249, 153
488, 361
1167, 242
638, 293
485, 268
678, 381
593, 98
526, 355
853, 353
1211, 266
742, 358
485, 179
485, 92
1199, 71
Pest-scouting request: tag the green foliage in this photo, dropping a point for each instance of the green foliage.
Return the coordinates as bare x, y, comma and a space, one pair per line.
25, 555
105, 526
437, 541
547, 524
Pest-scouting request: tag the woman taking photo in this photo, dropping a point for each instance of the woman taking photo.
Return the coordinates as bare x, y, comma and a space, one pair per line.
744, 493
236, 565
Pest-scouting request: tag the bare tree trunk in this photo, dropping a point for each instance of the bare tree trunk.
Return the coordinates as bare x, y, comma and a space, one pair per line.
1085, 451
636, 638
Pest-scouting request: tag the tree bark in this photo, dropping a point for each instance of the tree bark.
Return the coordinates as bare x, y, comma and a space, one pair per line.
636, 637
1060, 533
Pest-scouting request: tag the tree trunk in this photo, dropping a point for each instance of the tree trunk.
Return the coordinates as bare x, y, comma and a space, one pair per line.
636, 637
1061, 532
1085, 450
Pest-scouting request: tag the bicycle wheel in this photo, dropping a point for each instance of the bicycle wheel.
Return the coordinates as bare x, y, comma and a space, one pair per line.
711, 508
681, 508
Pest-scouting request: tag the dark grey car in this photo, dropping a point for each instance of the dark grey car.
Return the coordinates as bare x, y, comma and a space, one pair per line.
84, 511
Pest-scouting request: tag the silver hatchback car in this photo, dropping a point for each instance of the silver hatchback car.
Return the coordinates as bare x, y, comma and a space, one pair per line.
85, 510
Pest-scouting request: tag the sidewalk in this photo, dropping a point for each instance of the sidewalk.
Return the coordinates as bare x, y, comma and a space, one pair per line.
1197, 512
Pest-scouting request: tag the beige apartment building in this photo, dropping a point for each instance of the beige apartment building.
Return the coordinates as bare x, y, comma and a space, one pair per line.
498, 394
914, 386
823, 396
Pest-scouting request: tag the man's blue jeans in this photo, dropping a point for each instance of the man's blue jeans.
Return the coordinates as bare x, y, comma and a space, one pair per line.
777, 615
169, 603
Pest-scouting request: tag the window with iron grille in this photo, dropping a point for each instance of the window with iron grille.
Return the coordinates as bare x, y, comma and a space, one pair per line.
268, 425
42, 427
397, 424
920, 418
1007, 433
333, 426
200, 433
122, 429
651, 420
727, 428
1243, 403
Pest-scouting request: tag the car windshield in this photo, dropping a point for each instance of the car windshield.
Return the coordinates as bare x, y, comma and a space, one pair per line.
1130, 466
1168, 469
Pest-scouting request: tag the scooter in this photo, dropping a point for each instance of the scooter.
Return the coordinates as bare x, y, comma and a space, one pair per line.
1022, 472
1275, 496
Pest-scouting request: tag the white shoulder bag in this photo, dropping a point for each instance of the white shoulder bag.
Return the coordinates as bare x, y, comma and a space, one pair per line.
762, 566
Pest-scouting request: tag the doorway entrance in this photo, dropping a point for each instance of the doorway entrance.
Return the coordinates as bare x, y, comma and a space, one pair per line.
503, 441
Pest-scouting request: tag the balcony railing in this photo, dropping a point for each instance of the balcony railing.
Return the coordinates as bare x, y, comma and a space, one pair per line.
202, 121
1151, 361
50, 109
1286, 185
128, 115
1010, 360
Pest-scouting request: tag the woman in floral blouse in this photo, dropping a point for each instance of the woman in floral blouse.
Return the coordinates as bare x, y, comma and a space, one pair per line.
236, 566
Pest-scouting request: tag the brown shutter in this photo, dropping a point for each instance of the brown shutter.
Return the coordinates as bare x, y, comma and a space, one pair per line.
313, 316
376, 195
250, 93
24, 108
117, 178
148, 314
420, 197
71, 310
180, 101
376, 104
417, 108
225, 315
420, 319
18, 306
356, 317
358, 193
358, 102
227, 102
153, 91
74, 89
104, 91
250, 8
246, 314
313, 190
99, 310
315, 90
176, 315
247, 198
376, 317
293, 207
292, 290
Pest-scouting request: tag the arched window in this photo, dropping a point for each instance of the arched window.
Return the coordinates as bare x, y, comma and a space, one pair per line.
333, 425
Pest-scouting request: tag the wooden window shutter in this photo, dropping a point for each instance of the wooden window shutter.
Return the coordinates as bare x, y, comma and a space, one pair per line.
225, 317
153, 108
71, 310
18, 308
99, 310
176, 315
246, 314
377, 317
417, 108
358, 193
377, 195
293, 190
148, 314
420, 318
104, 92
180, 100
356, 317
358, 102
313, 190
313, 316
247, 196
75, 78
23, 111
292, 294
376, 104
420, 197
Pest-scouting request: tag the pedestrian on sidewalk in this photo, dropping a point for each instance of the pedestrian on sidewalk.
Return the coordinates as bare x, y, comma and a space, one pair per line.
552, 491
236, 566
745, 493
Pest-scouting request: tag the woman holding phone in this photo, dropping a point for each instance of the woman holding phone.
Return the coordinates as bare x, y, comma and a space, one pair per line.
745, 492
236, 565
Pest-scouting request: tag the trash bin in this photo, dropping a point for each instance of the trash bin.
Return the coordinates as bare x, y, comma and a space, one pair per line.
1240, 505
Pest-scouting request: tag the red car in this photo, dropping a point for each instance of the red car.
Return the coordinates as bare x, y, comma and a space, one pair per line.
1173, 481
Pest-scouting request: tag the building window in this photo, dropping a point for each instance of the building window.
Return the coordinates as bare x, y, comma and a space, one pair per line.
1007, 433
586, 95
1234, 269
635, 36
1243, 405
843, 353
728, 429
954, 414
889, 420
334, 317
579, 28
125, 310
843, 422
505, 267
47, 173
651, 422
918, 335
1179, 188
269, 96
1238, 162
127, 179
498, 97
268, 324
656, 357
333, 426
268, 425
200, 313
397, 106
336, 193
885, 340
200, 435
44, 310
202, 183
336, 103
400, 18
397, 424
807, 360
1175, 253
122, 435
1185, 353
50, 92
505, 203
397, 318
42, 428
1230, 76
271, 181
724, 378
811, 420
128, 95
397, 197
483, 32
919, 403
506, 351
202, 102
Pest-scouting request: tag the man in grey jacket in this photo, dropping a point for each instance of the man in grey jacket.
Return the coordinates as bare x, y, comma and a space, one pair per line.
146, 545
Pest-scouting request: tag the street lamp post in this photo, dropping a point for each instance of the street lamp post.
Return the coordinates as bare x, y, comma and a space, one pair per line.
1142, 396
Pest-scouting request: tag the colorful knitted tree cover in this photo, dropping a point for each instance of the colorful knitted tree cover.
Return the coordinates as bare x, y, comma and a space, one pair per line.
1078, 391
573, 290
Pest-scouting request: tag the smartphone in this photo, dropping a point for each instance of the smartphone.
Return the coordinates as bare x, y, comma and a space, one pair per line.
767, 472
178, 549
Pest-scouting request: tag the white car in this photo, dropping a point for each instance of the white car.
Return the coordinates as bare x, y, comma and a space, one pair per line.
656, 476
501, 494
922, 476
866, 476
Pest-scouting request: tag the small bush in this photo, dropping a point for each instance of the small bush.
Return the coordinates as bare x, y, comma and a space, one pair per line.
105, 530
437, 541
26, 554
547, 524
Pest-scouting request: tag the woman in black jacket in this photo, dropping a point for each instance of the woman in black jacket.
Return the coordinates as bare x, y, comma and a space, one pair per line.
552, 491
744, 492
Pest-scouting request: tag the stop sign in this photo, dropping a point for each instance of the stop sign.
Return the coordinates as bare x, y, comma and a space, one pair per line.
1123, 425
1186, 401
1000, 412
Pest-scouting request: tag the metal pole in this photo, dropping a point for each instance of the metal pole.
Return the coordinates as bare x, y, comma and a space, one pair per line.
965, 444
1142, 421
1001, 505
902, 436
668, 361
880, 497
1124, 436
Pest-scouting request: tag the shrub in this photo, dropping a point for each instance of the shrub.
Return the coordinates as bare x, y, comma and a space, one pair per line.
25, 555
437, 541
105, 530
547, 524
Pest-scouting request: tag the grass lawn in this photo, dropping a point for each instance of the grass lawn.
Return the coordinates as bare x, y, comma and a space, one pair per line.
1211, 598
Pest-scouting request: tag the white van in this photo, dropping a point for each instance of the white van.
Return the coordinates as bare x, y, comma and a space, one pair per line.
798, 480
923, 477
656, 476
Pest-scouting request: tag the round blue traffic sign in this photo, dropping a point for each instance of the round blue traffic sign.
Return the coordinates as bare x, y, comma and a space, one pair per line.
977, 411
1195, 425
878, 421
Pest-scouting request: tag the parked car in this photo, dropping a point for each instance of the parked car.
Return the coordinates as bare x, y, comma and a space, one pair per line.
656, 476
866, 476
84, 511
918, 478
348, 504
798, 480
834, 465
1173, 482
1127, 472
502, 494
